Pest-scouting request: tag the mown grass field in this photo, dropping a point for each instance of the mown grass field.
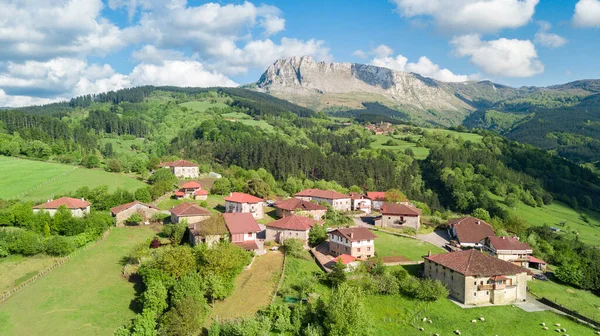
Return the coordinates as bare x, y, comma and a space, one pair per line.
214, 202
420, 152
201, 106
584, 302
85, 296
389, 245
36, 180
253, 289
16, 269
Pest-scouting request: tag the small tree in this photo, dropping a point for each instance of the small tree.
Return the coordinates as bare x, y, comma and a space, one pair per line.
481, 214
395, 196
114, 165
59, 246
257, 187
221, 186
293, 247
317, 234
135, 218
185, 318
337, 276
91, 161
346, 314
431, 290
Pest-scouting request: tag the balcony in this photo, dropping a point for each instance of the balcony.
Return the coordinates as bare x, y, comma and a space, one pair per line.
491, 287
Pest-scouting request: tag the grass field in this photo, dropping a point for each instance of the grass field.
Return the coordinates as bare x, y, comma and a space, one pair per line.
85, 296
201, 106
253, 288
44, 180
389, 245
420, 152
398, 315
16, 269
215, 202
584, 302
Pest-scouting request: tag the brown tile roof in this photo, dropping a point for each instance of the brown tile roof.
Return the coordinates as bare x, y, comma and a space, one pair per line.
178, 163
249, 245
242, 222
376, 195
471, 230
69, 202
189, 209
238, 197
124, 207
508, 243
473, 262
298, 204
355, 195
399, 210
327, 194
355, 234
191, 185
201, 192
294, 222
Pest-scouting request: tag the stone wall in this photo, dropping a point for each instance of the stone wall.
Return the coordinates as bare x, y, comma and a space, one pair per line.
399, 222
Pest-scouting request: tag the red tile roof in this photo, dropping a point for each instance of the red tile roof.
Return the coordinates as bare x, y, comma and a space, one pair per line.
69, 202
179, 193
294, 222
298, 204
535, 260
238, 197
201, 192
326, 194
242, 222
189, 209
471, 230
191, 185
249, 245
346, 258
124, 207
399, 210
508, 243
178, 163
473, 262
355, 234
355, 195
376, 195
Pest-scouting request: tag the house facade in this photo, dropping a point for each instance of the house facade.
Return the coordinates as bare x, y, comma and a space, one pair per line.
399, 216
182, 168
293, 226
509, 249
296, 206
124, 211
78, 207
474, 278
210, 231
338, 201
358, 242
244, 203
242, 229
192, 190
360, 203
469, 231
190, 212
377, 199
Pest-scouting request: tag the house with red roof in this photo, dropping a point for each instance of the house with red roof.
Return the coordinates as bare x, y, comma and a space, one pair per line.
293, 226
399, 215
474, 277
240, 202
359, 202
358, 242
296, 206
377, 198
124, 211
510, 249
209, 231
78, 207
192, 190
242, 229
469, 231
338, 201
190, 212
182, 168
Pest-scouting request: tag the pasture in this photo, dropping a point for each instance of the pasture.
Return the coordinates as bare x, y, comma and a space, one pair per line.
16, 269
584, 302
388, 245
399, 145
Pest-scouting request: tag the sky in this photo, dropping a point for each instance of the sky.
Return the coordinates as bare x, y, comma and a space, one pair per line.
54, 50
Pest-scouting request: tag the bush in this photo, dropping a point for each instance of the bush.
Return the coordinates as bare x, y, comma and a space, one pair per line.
294, 247
81, 239
59, 246
388, 284
27, 243
431, 290
135, 218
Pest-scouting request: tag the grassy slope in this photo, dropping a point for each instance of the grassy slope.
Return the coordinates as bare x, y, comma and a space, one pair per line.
582, 301
86, 296
390, 245
379, 140
35, 180
16, 269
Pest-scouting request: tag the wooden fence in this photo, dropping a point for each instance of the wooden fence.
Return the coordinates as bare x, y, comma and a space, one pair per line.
569, 312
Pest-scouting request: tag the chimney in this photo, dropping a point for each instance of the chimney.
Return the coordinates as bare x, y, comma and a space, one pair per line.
429, 253
83, 199
478, 222
351, 235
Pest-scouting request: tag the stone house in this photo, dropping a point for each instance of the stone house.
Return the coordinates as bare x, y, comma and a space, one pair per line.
358, 242
338, 201
182, 168
239, 202
469, 231
124, 211
78, 207
296, 206
399, 216
293, 226
190, 212
360, 202
377, 198
192, 190
509, 249
242, 229
209, 231
473, 277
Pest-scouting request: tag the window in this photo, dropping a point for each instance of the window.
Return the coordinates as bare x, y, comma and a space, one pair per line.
368, 249
249, 234
475, 283
474, 293
487, 293
358, 249
346, 248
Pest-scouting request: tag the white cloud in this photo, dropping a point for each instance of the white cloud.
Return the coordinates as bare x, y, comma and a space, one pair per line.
383, 57
471, 15
272, 24
547, 39
178, 73
360, 54
587, 14
503, 57
17, 101
151, 54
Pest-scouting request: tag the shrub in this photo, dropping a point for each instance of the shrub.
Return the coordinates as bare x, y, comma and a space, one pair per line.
59, 246
81, 239
293, 247
27, 243
431, 290
317, 235
337, 276
388, 284
135, 218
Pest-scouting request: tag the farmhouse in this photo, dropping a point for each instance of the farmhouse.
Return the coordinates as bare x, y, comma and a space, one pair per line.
358, 242
242, 229
239, 202
399, 216
124, 211
289, 227
78, 207
377, 198
190, 212
360, 203
182, 168
209, 232
469, 231
296, 206
338, 201
192, 190
475, 278
509, 249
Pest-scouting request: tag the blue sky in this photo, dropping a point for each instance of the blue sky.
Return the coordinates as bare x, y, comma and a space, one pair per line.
50, 52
